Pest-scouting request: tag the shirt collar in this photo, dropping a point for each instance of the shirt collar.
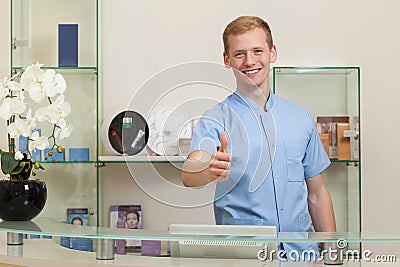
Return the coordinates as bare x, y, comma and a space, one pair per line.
252, 104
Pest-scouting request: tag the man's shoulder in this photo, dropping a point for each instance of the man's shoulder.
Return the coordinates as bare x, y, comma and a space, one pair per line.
222, 106
288, 105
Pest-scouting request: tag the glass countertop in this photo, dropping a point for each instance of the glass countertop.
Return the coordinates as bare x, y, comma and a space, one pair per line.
49, 226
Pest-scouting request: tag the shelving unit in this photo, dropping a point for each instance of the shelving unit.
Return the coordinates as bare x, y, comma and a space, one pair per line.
34, 38
330, 91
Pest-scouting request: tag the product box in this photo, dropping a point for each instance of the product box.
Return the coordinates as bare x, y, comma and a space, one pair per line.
126, 216
68, 45
59, 157
77, 216
78, 154
327, 125
150, 248
343, 143
325, 141
356, 140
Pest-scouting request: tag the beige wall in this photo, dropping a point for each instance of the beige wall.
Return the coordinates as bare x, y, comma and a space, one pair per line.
141, 38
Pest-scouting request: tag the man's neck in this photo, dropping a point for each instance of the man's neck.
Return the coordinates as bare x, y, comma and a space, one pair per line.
258, 95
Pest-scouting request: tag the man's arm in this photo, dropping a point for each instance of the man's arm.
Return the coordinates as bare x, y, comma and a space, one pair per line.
202, 168
320, 205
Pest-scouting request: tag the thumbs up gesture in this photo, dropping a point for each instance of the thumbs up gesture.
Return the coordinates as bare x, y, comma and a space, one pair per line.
219, 168
224, 142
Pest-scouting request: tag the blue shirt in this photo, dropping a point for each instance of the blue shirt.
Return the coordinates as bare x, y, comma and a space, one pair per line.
272, 155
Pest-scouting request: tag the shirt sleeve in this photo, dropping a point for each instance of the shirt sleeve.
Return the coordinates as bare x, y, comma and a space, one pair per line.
315, 160
206, 134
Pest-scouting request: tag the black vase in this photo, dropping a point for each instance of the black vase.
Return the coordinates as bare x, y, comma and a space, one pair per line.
21, 201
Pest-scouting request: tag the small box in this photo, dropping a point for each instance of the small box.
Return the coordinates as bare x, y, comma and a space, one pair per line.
59, 157
327, 125
78, 154
68, 45
343, 143
151, 248
325, 141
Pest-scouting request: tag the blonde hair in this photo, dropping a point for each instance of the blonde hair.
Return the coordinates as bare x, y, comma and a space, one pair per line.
244, 24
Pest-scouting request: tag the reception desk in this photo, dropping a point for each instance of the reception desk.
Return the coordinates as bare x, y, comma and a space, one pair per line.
48, 252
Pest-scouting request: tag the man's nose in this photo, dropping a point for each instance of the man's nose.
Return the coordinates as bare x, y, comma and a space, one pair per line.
250, 60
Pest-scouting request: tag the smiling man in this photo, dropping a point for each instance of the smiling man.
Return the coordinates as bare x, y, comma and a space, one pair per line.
263, 151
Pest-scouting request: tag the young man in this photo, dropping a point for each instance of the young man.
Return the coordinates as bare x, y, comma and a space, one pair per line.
263, 151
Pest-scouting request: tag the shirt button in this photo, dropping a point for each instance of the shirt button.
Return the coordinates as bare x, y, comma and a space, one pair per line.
280, 208
277, 177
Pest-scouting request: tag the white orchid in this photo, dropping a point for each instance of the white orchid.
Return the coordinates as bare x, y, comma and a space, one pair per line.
23, 119
63, 130
18, 155
3, 88
53, 83
11, 106
38, 142
18, 127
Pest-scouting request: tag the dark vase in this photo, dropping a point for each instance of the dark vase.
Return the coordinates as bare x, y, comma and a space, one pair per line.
21, 201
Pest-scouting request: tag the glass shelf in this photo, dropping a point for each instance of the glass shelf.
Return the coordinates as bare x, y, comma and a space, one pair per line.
51, 227
61, 69
68, 162
142, 159
315, 70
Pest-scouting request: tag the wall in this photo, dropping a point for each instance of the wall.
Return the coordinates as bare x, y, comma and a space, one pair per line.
141, 38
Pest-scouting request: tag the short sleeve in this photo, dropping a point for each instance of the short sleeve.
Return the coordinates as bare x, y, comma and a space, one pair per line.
206, 133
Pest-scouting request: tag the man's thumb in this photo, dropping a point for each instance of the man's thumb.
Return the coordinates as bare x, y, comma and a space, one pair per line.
224, 142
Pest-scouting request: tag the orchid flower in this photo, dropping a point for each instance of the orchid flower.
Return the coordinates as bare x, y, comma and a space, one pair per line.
18, 127
47, 114
11, 106
39, 142
53, 83
31, 80
62, 108
63, 129
18, 155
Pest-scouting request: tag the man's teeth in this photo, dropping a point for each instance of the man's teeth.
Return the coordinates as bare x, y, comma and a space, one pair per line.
251, 71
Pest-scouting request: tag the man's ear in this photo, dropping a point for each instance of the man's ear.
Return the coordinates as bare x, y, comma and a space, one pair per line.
273, 55
226, 60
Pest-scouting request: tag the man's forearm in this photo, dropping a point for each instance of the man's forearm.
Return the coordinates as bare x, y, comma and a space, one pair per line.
321, 211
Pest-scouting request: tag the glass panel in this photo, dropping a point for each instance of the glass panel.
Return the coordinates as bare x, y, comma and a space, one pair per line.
35, 29
330, 91
69, 186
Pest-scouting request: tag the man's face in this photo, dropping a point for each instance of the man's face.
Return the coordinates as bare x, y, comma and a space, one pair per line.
250, 58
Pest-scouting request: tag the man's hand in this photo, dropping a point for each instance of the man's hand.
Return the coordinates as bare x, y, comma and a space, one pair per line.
202, 168
219, 168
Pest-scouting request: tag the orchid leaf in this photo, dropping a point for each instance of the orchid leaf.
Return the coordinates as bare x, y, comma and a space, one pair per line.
8, 162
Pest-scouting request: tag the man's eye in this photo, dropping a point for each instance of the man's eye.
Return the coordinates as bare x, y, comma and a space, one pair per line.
258, 51
239, 54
